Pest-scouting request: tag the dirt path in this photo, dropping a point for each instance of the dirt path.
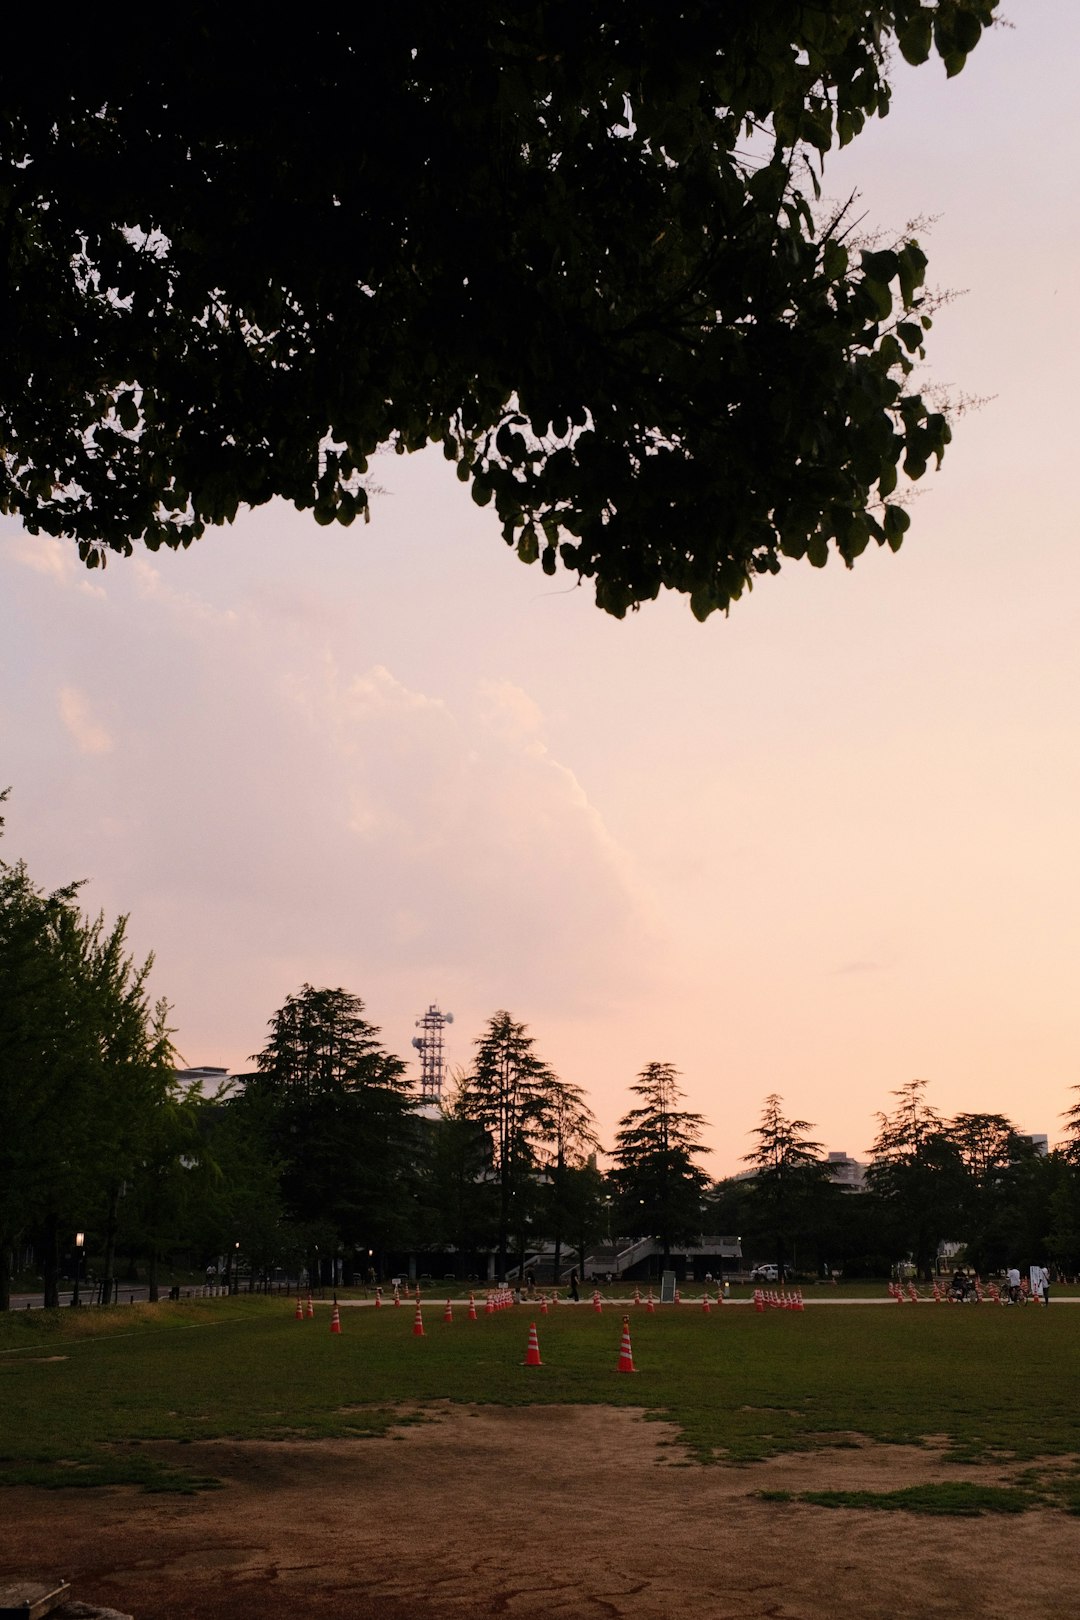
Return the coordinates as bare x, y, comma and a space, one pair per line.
564, 1513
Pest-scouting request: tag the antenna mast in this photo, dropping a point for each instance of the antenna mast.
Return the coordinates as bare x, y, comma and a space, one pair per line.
429, 1044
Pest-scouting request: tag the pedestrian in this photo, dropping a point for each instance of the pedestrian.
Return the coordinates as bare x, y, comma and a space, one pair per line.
574, 1285
1040, 1284
1013, 1285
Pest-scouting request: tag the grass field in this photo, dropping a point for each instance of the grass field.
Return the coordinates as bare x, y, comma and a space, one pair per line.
82, 1393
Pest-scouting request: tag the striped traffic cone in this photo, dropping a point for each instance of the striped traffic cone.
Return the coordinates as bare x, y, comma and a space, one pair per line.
397, 1295
299, 1316
596, 1302
335, 1320
678, 1297
650, 1307
532, 1354
448, 1314
418, 1323
378, 1299
472, 1307
489, 1308
759, 1301
637, 1296
543, 1305
626, 1357
310, 1306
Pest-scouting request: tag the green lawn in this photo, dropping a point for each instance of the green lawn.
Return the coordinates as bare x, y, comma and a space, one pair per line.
740, 1386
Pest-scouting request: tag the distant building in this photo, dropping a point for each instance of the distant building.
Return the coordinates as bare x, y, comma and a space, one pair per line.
208, 1075
845, 1172
1039, 1142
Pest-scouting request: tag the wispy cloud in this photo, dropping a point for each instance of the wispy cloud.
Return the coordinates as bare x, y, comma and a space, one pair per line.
89, 736
56, 559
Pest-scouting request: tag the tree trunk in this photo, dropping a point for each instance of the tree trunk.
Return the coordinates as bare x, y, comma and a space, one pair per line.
50, 1263
108, 1278
7, 1267
504, 1224
152, 1277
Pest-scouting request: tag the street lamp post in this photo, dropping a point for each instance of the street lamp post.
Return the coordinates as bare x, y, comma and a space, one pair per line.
80, 1239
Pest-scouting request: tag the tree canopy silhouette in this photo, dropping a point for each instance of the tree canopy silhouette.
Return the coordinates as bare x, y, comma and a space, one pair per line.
573, 243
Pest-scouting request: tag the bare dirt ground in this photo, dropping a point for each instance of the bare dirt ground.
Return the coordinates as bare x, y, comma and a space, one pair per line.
526, 1512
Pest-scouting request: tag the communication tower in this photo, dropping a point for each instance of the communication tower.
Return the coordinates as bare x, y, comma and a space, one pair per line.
429, 1044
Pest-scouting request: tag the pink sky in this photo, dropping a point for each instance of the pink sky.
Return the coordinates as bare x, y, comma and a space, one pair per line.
822, 847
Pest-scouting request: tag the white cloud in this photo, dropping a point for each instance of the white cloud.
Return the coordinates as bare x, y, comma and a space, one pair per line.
510, 710
58, 560
189, 610
89, 736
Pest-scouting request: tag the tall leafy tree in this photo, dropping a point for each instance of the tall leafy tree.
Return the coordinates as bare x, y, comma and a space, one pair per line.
790, 1178
1070, 1147
38, 1120
458, 1199
335, 1110
124, 1067
576, 246
85, 1070
660, 1186
917, 1171
509, 1091
572, 1143
586, 1207
994, 1189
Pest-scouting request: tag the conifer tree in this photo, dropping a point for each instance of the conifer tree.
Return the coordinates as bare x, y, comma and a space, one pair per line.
660, 1186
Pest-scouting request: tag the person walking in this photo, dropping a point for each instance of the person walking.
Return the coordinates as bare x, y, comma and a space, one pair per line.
574, 1285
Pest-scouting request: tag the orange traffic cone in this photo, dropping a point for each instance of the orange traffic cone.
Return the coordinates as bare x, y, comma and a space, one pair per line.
378, 1299
489, 1308
310, 1306
596, 1303
626, 1357
759, 1301
448, 1314
650, 1307
397, 1295
418, 1323
543, 1304
637, 1296
678, 1297
705, 1304
335, 1320
532, 1354
472, 1307
299, 1317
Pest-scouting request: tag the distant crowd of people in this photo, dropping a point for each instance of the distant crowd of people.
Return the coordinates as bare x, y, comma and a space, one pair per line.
1018, 1290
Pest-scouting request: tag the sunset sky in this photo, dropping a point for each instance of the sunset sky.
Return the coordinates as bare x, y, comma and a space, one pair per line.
822, 847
